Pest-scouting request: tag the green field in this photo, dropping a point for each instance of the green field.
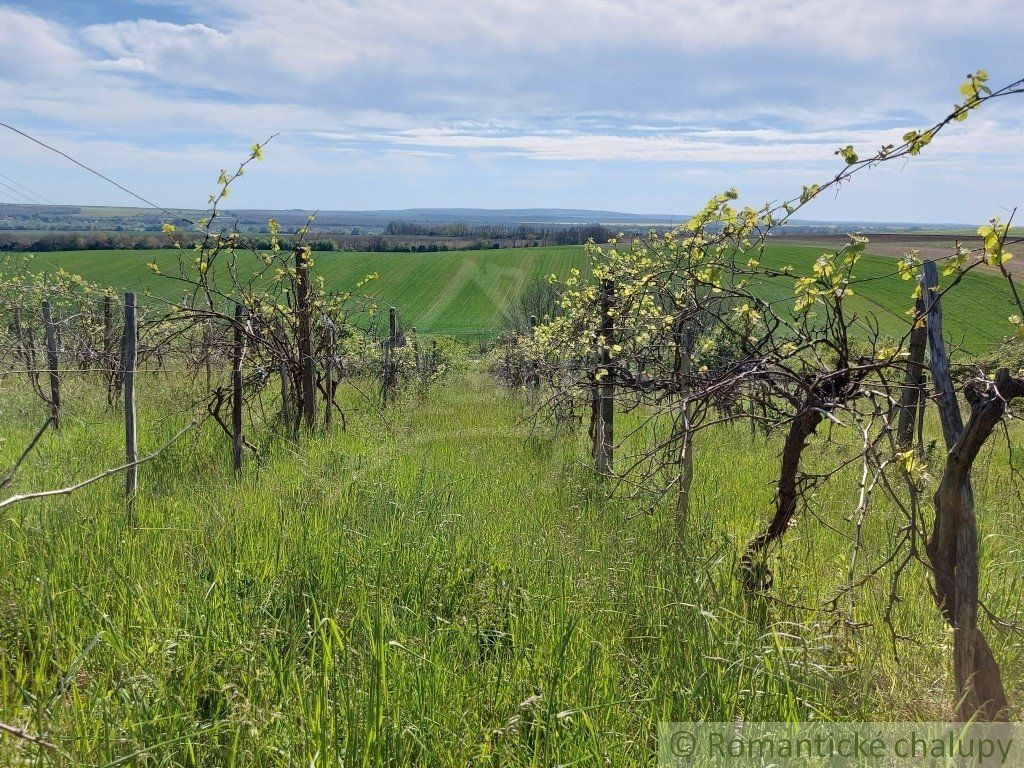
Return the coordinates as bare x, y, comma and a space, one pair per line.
975, 313
463, 293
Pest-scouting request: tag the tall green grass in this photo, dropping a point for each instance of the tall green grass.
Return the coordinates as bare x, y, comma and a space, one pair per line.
442, 584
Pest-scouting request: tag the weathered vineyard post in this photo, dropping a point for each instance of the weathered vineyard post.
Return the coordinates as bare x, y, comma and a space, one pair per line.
533, 377
945, 393
283, 372
910, 408
307, 365
604, 391
237, 352
684, 371
953, 545
414, 341
207, 353
24, 350
52, 363
128, 365
390, 370
751, 409
328, 374
32, 360
109, 369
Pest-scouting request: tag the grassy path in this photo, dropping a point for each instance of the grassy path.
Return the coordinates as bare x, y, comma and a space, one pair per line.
438, 586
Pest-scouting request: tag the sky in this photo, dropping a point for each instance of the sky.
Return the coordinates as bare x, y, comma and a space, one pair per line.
640, 106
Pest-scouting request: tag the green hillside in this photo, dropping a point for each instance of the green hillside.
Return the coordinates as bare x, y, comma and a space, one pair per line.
460, 293
975, 314
463, 293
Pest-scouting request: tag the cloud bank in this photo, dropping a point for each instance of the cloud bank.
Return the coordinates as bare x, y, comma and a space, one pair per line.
634, 105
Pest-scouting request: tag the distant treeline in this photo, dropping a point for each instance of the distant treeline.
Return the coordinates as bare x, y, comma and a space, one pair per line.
110, 241
92, 241
399, 237
572, 235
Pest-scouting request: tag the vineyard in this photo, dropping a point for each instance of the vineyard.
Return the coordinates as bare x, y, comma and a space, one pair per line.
371, 594
262, 506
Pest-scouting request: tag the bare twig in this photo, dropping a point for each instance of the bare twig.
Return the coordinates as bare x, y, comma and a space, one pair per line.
95, 478
21, 733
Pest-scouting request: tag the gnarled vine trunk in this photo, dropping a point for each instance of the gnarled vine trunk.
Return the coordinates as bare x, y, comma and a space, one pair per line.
953, 544
756, 574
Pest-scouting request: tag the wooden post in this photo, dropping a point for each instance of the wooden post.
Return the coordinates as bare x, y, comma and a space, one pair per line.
390, 372
285, 376
945, 393
604, 391
415, 342
237, 436
307, 365
685, 341
913, 382
328, 374
953, 545
128, 364
24, 352
109, 366
922, 401
751, 413
52, 363
533, 376
207, 353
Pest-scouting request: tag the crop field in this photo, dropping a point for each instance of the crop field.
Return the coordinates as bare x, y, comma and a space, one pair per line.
463, 293
460, 293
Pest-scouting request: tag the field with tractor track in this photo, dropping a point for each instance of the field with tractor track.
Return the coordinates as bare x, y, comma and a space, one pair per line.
465, 293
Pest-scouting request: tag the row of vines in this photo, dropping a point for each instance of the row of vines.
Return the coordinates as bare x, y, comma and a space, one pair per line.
675, 331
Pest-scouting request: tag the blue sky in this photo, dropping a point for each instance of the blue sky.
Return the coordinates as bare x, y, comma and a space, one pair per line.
647, 106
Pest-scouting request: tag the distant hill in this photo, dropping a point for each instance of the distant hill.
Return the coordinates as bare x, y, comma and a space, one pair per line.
65, 218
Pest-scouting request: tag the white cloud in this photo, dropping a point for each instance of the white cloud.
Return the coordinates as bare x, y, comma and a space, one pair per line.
150, 40
551, 56
335, 31
358, 87
694, 145
174, 53
122, 64
33, 48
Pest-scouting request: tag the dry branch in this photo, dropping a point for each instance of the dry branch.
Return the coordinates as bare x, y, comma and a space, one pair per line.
21, 733
95, 478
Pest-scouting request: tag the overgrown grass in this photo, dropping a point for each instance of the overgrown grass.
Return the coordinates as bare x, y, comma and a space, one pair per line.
439, 585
